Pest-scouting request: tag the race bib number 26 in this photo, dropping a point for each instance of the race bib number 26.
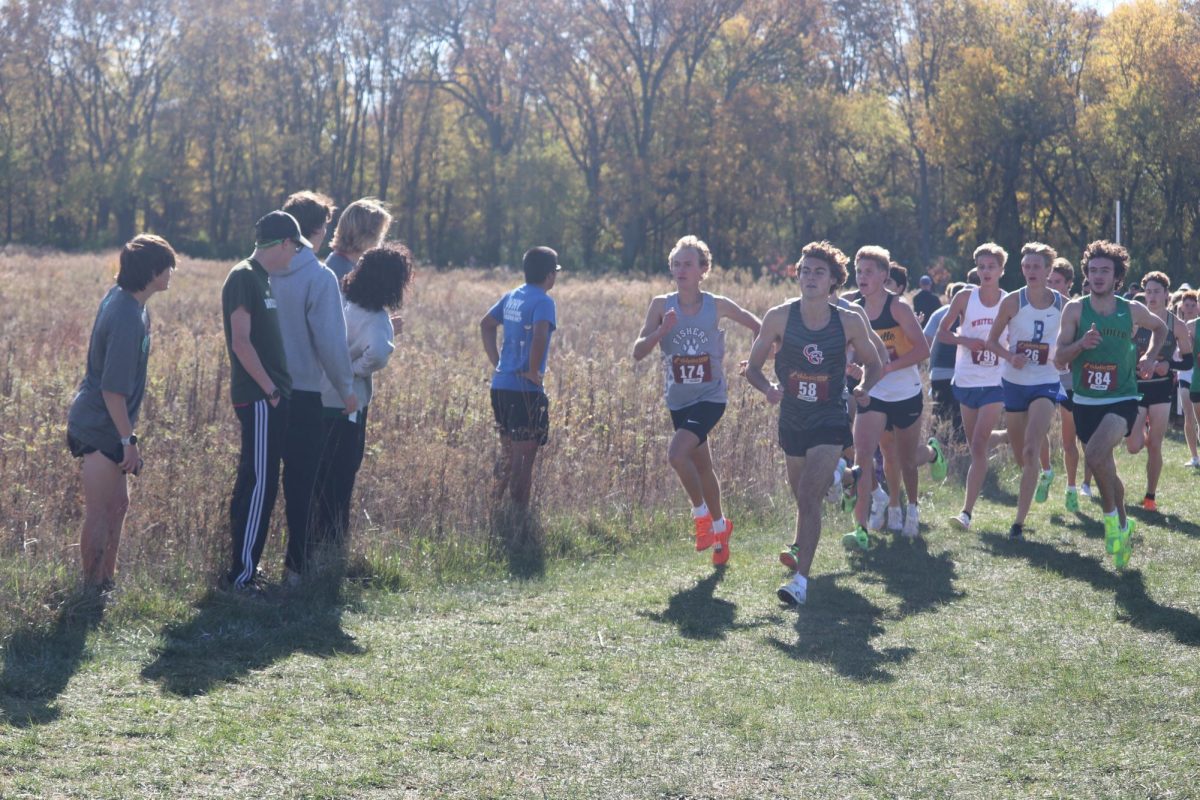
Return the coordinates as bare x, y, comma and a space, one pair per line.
1035, 352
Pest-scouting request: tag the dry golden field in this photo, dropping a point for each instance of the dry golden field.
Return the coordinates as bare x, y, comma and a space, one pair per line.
423, 496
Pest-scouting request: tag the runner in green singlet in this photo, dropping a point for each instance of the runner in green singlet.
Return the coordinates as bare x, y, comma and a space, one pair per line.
1096, 340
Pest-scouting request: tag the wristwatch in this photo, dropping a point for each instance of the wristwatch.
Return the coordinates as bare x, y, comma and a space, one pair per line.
129, 440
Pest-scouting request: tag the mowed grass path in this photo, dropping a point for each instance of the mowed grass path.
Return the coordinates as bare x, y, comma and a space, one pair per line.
964, 666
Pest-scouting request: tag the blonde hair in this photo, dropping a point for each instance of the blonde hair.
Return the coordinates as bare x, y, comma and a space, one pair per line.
991, 249
697, 244
1038, 249
875, 253
363, 225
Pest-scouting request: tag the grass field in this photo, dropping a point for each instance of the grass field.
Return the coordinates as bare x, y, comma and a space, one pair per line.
612, 662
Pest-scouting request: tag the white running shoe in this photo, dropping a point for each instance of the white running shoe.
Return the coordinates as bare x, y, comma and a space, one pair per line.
1085, 490
962, 521
1192, 462
794, 592
879, 507
912, 523
895, 519
834, 495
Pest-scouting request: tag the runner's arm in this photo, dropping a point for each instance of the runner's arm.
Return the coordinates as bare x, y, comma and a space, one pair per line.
770, 334
488, 327
957, 305
907, 319
1066, 349
1003, 315
652, 331
537, 350
732, 311
858, 337
1145, 318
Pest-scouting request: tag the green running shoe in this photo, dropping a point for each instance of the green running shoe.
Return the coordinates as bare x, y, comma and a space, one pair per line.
1043, 486
790, 557
1124, 545
1072, 501
857, 538
1112, 535
937, 467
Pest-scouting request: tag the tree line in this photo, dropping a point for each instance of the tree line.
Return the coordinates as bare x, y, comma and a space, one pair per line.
608, 128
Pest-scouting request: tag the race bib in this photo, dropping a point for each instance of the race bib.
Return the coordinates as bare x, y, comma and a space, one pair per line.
891, 351
690, 370
1036, 352
809, 388
1099, 377
984, 358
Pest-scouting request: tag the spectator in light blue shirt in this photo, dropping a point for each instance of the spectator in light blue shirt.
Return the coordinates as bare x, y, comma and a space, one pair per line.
519, 403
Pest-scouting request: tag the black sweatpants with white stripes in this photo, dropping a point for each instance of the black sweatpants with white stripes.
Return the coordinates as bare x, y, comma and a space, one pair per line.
257, 483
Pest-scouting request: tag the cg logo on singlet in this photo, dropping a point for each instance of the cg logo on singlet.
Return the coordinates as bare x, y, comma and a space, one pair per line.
813, 354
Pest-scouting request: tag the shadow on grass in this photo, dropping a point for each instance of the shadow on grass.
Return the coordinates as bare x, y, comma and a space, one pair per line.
1128, 588
921, 580
1170, 522
992, 490
39, 663
518, 534
835, 627
698, 614
229, 637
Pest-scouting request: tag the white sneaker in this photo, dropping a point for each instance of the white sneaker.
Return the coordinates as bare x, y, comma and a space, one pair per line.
895, 519
1192, 462
912, 523
794, 592
834, 495
962, 521
879, 509
1085, 490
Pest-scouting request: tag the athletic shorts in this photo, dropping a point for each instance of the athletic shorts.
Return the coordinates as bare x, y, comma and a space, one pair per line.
699, 418
1194, 396
522, 416
79, 450
900, 414
1155, 393
1066, 400
1088, 418
1018, 397
796, 443
978, 396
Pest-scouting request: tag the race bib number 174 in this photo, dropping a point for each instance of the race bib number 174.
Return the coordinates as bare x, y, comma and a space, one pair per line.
691, 369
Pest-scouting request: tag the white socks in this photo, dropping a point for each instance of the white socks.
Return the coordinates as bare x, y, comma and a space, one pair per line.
700, 510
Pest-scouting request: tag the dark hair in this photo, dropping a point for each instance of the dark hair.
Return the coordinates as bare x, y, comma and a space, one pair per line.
539, 263
1063, 267
899, 275
311, 210
836, 260
1114, 253
1160, 278
379, 279
143, 258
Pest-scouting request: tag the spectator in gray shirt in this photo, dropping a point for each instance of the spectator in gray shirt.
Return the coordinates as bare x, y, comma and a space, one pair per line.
100, 424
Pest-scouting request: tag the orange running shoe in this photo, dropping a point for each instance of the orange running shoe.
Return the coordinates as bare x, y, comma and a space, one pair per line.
704, 532
1149, 505
721, 545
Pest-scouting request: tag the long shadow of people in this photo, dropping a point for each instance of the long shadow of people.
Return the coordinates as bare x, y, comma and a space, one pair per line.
39, 663
518, 534
698, 614
1128, 588
921, 580
1170, 522
229, 637
835, 627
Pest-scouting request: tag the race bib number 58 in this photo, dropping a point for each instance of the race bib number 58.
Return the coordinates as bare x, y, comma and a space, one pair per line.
809, 388
1100, 377
692, 369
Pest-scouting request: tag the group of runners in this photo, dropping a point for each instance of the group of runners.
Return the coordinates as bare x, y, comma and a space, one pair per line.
304, 338
849, 388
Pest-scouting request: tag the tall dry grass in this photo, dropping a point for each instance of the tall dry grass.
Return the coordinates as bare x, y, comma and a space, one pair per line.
423, 500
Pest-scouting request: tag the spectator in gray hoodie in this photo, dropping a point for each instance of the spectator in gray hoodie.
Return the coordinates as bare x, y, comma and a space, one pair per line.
314, 340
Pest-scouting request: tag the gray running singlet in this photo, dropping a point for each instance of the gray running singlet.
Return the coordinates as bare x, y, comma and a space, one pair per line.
811, 369
693, 355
